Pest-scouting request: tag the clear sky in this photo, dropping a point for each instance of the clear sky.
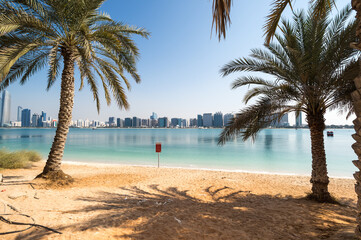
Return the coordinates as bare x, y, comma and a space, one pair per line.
179, 64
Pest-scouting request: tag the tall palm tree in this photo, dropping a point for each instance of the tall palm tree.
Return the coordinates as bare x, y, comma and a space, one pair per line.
310, 63
67, 34
221, 19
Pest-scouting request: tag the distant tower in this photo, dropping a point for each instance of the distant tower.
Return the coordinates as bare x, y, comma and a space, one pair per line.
299, 120
5, 108
25, 118
199, 120
218, 119
154, 116
207, 120
227, 118
19, 114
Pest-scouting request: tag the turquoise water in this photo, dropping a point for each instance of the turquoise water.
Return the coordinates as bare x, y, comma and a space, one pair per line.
275, 150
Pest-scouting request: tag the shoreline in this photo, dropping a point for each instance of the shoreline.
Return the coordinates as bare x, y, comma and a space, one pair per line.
107, 164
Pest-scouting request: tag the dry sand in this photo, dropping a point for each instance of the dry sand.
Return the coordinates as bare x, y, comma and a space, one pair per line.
122, 202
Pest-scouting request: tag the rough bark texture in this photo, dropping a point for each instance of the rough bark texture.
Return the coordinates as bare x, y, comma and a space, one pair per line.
356, 97
52, 169
319, 178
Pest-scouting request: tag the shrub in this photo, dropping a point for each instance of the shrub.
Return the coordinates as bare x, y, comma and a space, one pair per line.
18, 159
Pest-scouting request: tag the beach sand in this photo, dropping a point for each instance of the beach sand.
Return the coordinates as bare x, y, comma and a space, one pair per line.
124, 202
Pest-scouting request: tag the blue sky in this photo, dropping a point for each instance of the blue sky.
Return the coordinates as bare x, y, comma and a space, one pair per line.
179, 64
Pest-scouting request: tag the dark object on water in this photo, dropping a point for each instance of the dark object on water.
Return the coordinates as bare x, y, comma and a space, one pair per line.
329, 134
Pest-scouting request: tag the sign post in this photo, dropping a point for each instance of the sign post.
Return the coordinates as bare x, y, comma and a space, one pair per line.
158, 149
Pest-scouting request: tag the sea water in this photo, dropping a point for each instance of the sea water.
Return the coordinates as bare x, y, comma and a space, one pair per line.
283, 151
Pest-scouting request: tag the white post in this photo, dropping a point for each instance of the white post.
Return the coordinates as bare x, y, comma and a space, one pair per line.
158, 160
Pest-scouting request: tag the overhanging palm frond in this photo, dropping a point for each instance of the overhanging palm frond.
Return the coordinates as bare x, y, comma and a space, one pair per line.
221, 16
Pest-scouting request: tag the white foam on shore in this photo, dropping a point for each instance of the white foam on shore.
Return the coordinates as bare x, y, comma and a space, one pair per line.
102, 164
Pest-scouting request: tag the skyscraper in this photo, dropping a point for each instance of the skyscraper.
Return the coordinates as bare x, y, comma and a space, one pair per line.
111, 121
25, 117
227, 118
207, 120
5, 109
199, 120
136, 122
19, 114
163, 122
128, 122
120, 122
299, 120
218, 120
35, 120
154, 116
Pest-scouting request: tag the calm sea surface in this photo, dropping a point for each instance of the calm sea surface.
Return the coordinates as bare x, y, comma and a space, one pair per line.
275, 150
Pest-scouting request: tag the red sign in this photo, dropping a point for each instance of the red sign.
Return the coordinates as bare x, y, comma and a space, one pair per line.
158, 147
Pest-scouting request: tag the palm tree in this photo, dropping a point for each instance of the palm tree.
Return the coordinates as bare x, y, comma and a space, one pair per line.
311, 63
67, 34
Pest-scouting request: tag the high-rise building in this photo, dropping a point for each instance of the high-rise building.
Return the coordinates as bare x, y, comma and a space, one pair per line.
5, 109
218, 120
120, 122
111, 122
19, 114
41, 120
128, 122
154, 116
136, 122
163, 122
145, 123
184, 123
199, 120
35, 120
176, 122
25, 118
299, 120
227, 118
192, 122
207, 120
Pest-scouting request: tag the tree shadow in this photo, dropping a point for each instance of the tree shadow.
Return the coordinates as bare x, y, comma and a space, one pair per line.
216, 213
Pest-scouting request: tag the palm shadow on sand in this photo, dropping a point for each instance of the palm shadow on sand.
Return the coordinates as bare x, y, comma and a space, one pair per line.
221, 213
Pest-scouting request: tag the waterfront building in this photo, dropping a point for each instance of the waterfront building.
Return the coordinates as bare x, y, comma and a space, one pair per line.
19, 114
153, 123
136, 122
26, 118
192, 122
5, 103
176, 122
128, 122
218, 120
199, 120
34, 120
120, 123
207, 120
112, 122
184, 123
145, 123
163, 122
15, 123
299, 120
42, 119
154, 116
227, 118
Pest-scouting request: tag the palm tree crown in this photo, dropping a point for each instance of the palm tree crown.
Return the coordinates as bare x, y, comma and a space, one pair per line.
311, 64
39, 33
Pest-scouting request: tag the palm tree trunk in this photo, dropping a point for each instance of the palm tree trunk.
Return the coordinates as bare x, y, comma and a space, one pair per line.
52, 168
356, 97
319, 178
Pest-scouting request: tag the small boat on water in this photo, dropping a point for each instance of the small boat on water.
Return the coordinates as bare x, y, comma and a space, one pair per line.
94, 128
329, 133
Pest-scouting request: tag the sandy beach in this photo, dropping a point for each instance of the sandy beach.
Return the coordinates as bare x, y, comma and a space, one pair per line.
124, 202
